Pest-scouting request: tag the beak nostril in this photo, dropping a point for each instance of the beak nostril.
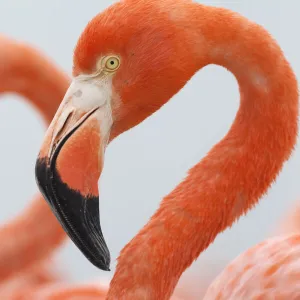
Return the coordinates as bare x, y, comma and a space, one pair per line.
78, 93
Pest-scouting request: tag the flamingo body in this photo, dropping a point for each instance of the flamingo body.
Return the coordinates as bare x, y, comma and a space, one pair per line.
269, 270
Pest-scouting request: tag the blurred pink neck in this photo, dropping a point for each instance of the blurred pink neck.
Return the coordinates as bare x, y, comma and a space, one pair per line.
25, 71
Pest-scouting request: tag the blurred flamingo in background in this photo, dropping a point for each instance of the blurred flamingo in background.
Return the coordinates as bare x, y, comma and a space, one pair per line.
122, 74
29, 240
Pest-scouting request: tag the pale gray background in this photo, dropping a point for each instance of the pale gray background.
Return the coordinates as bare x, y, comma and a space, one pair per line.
144, 164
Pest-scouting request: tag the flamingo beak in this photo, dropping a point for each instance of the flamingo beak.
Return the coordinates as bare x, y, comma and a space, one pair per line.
70, 163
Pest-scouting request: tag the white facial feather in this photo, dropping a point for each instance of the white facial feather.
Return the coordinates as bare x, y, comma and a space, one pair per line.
85, 94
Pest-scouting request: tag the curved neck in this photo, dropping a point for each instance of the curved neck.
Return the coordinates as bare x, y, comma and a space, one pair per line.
234, 174
26, 72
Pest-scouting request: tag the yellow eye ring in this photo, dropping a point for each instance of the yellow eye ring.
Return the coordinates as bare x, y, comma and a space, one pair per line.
111, 63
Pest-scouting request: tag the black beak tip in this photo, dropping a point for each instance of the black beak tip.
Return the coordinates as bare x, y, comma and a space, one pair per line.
78, 215
100, 259
106, 268
101, 264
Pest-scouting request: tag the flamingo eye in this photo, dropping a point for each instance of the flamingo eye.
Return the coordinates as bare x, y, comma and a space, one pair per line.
111, 63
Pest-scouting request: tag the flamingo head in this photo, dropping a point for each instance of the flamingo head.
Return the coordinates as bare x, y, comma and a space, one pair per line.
128, 62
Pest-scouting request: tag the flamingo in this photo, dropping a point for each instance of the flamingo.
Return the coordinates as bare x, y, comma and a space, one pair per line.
128, 62
25, 258
24, 70
269, 270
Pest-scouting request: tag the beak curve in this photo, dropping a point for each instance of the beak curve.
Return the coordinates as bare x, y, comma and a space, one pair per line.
70, 162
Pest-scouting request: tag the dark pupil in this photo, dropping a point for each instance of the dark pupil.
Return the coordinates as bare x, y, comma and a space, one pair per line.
112, 62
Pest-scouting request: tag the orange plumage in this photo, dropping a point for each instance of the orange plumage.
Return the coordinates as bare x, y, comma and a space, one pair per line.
161, 45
